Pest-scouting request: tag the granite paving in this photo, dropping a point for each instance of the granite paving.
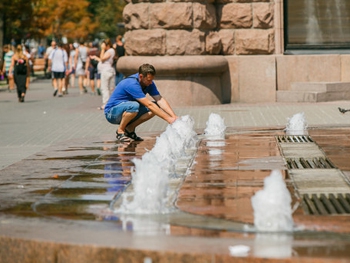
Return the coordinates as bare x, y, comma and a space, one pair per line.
62, 175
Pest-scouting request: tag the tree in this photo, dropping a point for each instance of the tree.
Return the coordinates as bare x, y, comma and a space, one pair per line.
17, 16
77, 19
63, 18
109, 14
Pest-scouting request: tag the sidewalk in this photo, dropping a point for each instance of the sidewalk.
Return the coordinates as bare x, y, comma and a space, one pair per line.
44, 120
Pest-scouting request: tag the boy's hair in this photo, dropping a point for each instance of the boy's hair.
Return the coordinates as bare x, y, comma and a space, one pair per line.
146, 69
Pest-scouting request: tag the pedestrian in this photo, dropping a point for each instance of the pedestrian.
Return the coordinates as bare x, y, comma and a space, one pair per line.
58, 64
20, 71
67, 76
41, 51
6, 67
80, 63
46, 57
107, 71
119, 47
13, 43
71, 64
28, 54
91, 65
129, 107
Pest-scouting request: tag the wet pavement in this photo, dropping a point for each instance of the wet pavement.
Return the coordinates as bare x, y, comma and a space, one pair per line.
58, 204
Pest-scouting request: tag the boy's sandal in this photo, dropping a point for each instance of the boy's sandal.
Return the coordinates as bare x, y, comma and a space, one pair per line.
133, 136
122, 137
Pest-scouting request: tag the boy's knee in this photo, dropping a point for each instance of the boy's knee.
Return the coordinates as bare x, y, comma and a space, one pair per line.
128, 113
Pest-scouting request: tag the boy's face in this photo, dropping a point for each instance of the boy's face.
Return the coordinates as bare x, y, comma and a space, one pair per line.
146, 80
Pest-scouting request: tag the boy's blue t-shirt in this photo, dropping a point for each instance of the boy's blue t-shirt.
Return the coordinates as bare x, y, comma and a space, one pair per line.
129, 89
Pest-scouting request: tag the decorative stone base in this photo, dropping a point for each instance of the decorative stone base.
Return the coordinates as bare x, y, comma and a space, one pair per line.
315, 92
212, 80
185, 80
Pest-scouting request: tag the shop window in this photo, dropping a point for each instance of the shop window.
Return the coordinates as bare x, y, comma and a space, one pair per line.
316, 25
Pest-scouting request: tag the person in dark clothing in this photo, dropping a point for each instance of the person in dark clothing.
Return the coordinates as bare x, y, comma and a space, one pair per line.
20, 69
91, 68
119, 47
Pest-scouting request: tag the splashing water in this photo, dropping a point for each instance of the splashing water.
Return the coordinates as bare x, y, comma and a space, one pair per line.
150, 178
272, 205
150, 183
215, 127
297, 124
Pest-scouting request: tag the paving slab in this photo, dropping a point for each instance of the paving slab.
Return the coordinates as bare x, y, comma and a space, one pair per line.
62, 174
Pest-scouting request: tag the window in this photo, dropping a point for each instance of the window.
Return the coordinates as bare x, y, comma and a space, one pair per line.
317, 24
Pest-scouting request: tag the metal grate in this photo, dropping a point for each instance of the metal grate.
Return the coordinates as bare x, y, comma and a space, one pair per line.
294, 139
333, 204
314, 176
309, 163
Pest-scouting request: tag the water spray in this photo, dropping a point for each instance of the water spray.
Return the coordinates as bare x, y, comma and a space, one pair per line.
272, 205
297, 125
152, 173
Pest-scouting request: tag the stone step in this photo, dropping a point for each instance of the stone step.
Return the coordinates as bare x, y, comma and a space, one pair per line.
320, 86
315, 92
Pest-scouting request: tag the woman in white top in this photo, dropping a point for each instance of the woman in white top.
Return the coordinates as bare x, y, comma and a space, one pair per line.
107, 71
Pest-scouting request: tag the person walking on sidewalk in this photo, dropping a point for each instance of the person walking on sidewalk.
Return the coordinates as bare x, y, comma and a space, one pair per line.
80, 62
6, 66
91, 67
49, 50
67, 73
71, 65
58, 64
129, 107
29, 55
20, 71
107, 71
119, 47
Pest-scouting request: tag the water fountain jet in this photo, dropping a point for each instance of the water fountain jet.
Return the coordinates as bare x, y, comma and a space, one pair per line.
297, 125
272, 205
215, 128
150, 178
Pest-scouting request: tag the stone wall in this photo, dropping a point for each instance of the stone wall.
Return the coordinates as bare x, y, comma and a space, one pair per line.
203, 49
183, 38
180, 28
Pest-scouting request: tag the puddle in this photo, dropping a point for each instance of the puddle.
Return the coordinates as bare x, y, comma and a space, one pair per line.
73, 149
72, 209
23, 210
72, 158
108, 176
52, 177
214, 198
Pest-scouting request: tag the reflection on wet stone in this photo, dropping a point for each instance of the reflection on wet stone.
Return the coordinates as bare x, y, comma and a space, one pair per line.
71, 209
86, 181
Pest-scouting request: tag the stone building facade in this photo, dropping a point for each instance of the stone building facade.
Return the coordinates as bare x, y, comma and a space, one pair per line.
199, 28
217, 51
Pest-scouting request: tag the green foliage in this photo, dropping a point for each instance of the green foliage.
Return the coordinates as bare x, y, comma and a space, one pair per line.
17, 16
108, 14
78, 19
